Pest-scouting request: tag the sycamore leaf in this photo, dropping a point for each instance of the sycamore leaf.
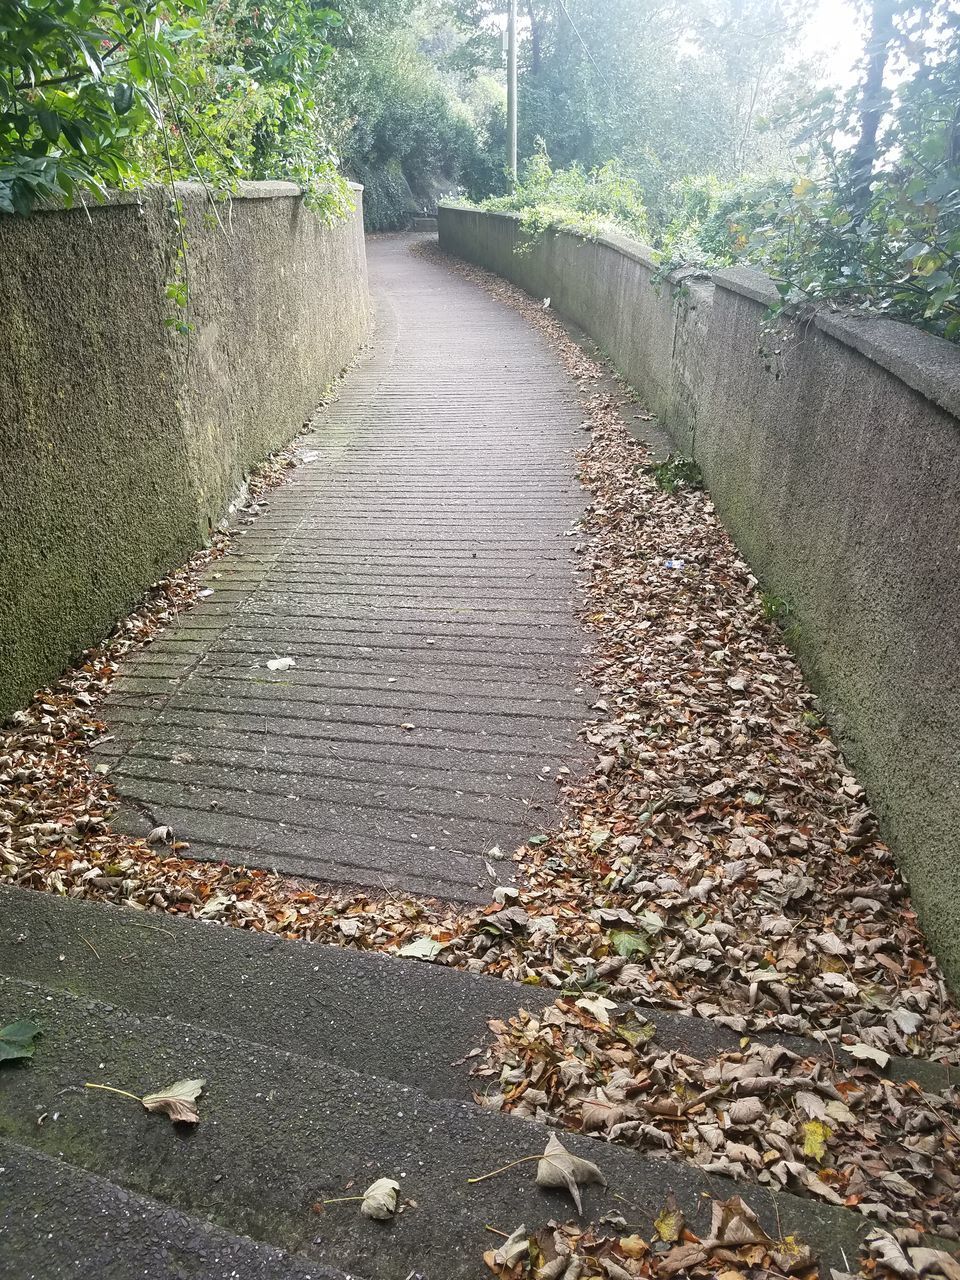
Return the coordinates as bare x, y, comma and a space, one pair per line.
515, 1247
840, 1112
160, 835
598, 1007
935, 1261
867, 1053
635, 1030
626, 943
734, 1224
908, 1021
16, 1040
559, 1167
815, 1135
380, 1199
746, 1111
178, 1101
669, 1222
422, 949
633, 1246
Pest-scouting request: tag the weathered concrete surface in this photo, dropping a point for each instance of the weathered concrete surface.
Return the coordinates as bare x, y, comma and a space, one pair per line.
321, 1002
835, 465
121, 441
418, 571
278, 1133
59, 1223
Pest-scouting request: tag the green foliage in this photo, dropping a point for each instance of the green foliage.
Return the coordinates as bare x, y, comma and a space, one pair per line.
246, 102
668, 90
774, 609
79, 79
675, 472
407, 133
100, 93
872, 218
571, 199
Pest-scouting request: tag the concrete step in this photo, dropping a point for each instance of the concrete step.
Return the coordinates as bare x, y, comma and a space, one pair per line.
280, 1132
60, 1223
373, 1013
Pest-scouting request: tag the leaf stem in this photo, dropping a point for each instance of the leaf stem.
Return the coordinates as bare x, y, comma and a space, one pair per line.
504, 1167
108, 1088
342, 1200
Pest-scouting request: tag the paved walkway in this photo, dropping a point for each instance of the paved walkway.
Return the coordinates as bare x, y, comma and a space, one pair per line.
417, 571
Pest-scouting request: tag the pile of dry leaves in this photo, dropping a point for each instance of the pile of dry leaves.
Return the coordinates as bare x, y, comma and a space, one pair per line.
736, 1248
838, 1131
720, 859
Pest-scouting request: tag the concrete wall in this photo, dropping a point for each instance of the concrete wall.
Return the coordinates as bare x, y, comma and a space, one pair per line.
836, 467
121, 441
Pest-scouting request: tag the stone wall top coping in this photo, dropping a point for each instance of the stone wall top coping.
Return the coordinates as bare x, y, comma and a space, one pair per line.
929, 364
748, 282
268, 189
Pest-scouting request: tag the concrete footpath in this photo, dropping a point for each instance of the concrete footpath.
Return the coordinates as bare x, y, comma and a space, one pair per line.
419, 571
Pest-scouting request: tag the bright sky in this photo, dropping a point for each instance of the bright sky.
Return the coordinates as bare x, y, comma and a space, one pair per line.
835, 37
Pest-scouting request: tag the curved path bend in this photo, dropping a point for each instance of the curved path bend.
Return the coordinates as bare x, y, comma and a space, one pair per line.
419, 570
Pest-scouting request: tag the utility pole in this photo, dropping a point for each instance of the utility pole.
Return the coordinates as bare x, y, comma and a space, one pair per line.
512, 93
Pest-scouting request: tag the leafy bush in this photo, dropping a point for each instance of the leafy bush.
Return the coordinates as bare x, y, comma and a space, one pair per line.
245, 102
572, 199
79, 79
406, 135
100, 93
872, 219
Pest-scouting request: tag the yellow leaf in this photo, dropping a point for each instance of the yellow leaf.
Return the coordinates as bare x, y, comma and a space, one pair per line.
633, 1246
815, 1135
802, 187
670, 1222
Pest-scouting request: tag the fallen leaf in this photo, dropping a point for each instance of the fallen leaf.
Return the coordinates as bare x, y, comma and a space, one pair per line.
626, 943
178, 1101
598, 1007
683, 1258
422, 949
160, 835
559, 1167
16, 1040
733, 1224
281, 664
633, 1246
745, 1111
867, 1053
515, 1247
815, 1135
380, 1199
935, 1262
669, 1222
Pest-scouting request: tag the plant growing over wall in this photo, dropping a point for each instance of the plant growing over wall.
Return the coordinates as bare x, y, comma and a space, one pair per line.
97, 94
79, 79
246, 101
571, 199
872, 219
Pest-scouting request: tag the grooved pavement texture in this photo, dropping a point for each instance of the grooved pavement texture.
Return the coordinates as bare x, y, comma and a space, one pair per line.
419, 569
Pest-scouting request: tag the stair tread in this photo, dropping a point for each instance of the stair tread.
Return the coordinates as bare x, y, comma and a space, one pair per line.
278, 1133
62, 1223
376, 1013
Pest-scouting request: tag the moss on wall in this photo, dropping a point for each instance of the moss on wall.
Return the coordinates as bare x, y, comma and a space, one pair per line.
121, 441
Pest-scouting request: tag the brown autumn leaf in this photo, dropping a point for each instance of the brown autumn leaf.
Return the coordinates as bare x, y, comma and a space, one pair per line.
559, 1167
178, 1101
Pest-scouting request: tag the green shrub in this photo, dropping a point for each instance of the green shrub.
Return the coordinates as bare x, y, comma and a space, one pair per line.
572, 199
